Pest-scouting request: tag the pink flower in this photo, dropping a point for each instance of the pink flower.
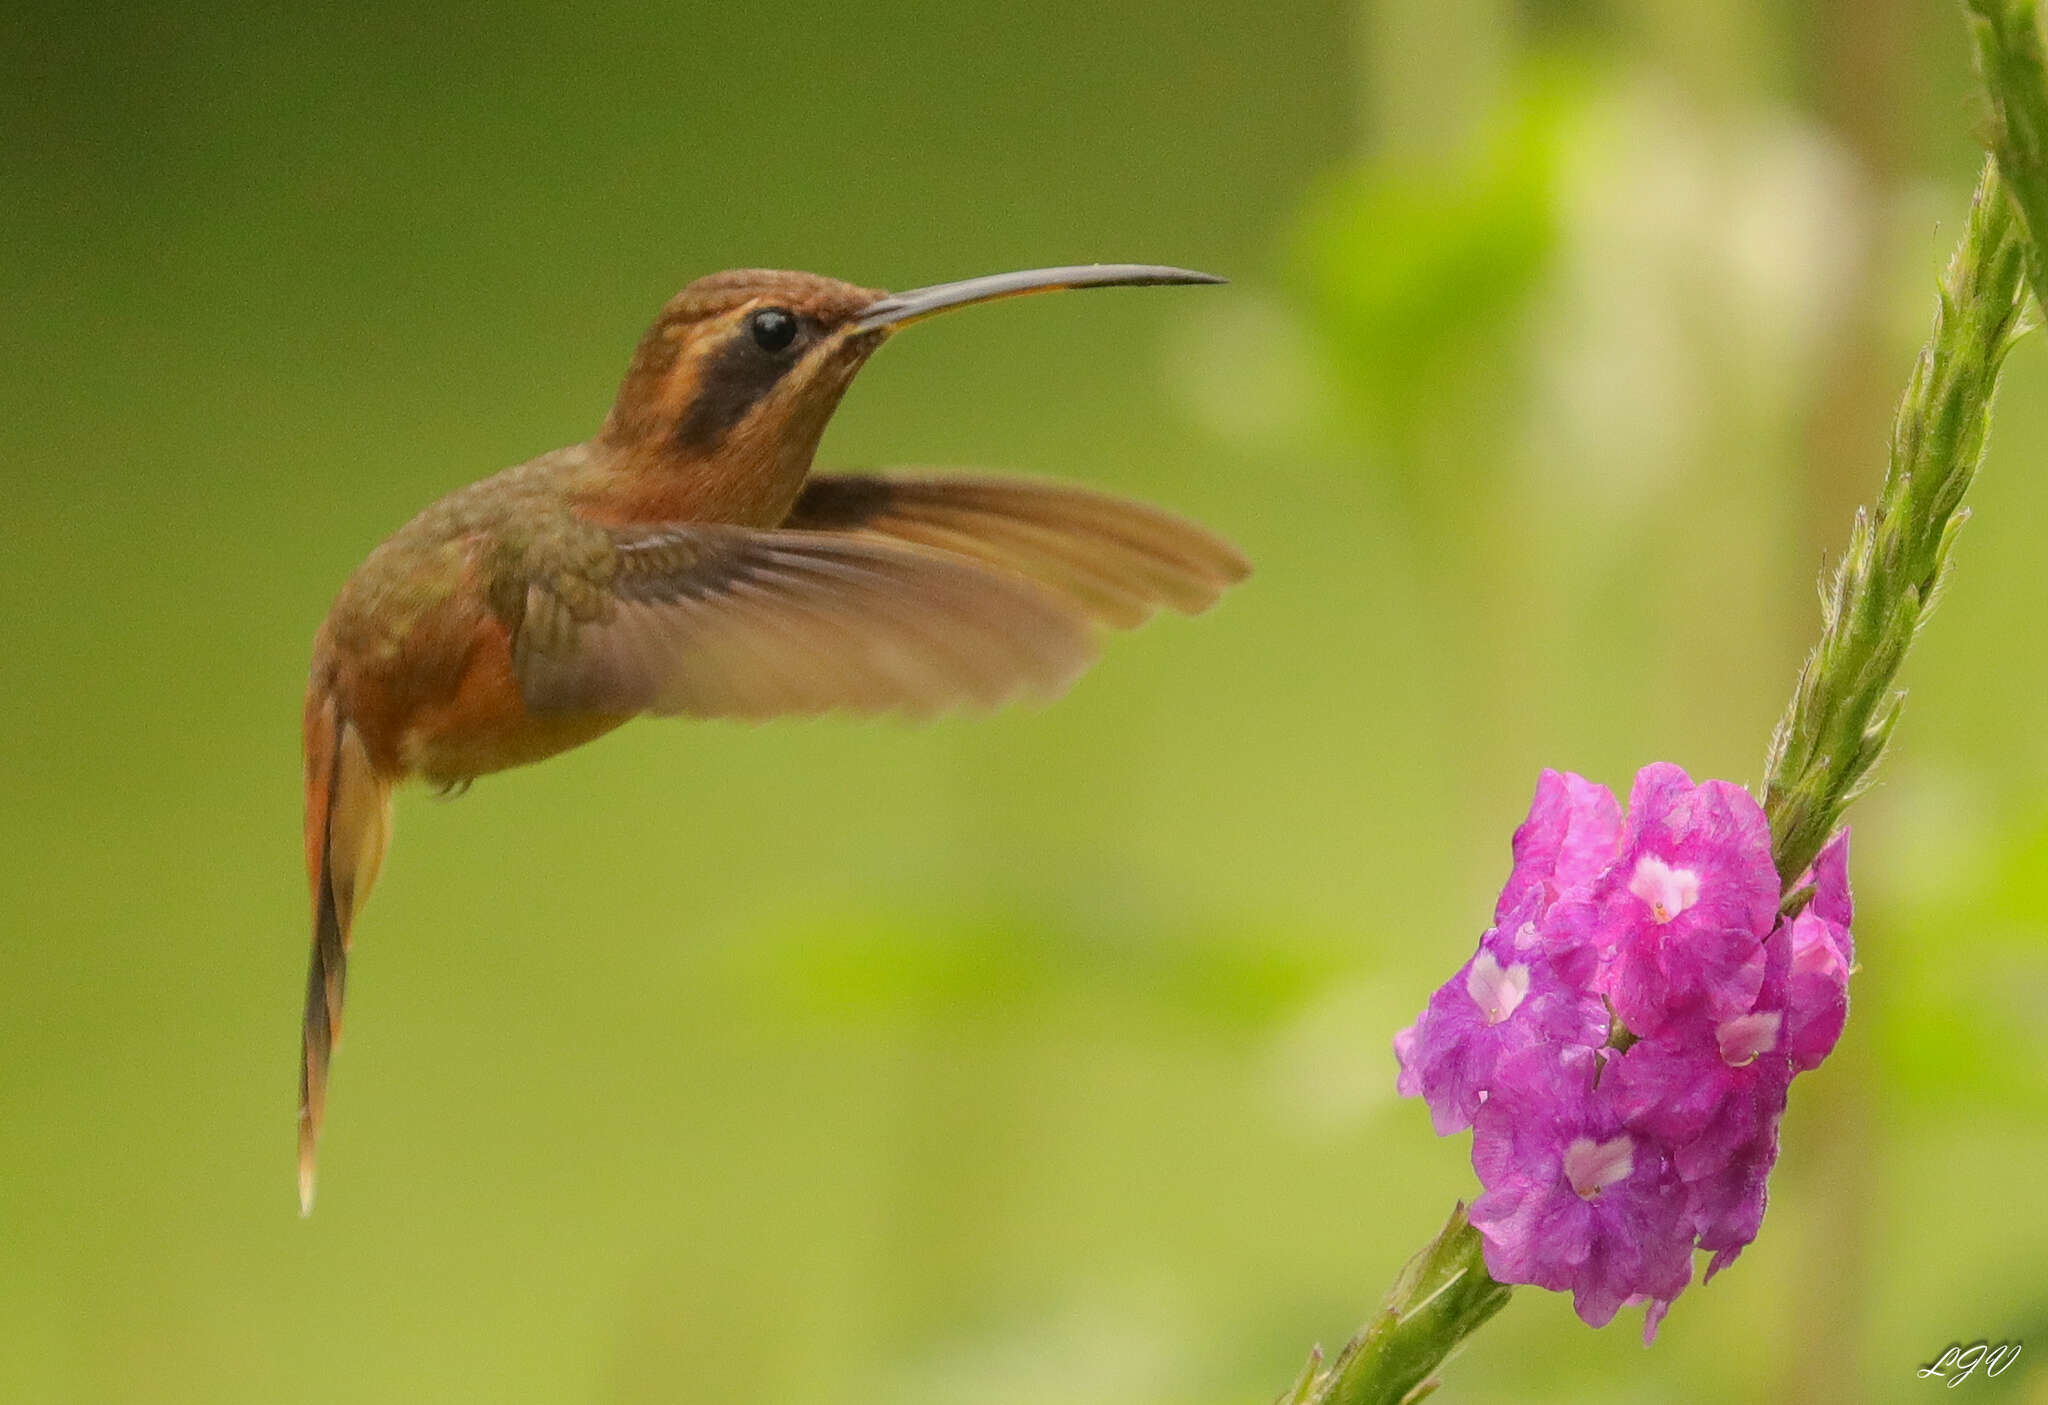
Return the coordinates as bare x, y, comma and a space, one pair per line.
1705, 1093
1573, 829
1575, 1201
1606, 1161
1508, 997
1728, 1206
1686, 905
1505, 999
1822, 955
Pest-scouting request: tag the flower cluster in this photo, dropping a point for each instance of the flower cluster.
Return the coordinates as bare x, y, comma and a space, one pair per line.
1622, 1041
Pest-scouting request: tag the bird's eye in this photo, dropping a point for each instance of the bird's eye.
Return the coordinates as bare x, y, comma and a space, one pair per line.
773, 329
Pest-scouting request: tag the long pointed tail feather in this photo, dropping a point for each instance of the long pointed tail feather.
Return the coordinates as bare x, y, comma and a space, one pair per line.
348, 824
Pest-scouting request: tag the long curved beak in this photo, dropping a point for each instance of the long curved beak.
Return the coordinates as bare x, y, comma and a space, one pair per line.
901, 309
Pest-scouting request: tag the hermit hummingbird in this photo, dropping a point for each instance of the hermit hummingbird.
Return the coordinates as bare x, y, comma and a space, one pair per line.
686, 560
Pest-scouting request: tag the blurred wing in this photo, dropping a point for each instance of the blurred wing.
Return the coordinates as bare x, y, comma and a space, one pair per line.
1119, 560
719, 621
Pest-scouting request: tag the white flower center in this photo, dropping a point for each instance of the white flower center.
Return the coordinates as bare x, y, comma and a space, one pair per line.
1494, 991
1746, 1036
1669, 891
1593, 1166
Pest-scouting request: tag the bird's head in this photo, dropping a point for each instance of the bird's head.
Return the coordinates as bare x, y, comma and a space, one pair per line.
750, 364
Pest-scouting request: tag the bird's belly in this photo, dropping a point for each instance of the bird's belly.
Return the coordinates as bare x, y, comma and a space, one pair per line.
483, 724
451, 756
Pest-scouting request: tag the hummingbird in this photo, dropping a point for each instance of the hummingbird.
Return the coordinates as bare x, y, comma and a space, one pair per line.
686, 560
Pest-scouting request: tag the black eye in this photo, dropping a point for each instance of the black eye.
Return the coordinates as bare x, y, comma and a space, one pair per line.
773, 329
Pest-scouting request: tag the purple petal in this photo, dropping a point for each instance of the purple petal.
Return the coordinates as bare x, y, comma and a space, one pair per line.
1669, 1088
1715, 831
1663, 972
1728, 1207
1626, 1231
1680, 1090
1408, 1083
1486, 1012
1747, 1115
1644, 1244
1816, 989
1653, 1318
1821, 953
1571, 834
1832, 900
1578, 943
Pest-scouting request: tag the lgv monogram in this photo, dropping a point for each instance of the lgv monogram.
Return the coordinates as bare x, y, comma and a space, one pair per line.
1955, 1365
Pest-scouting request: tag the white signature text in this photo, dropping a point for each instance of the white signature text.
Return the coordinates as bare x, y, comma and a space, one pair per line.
1955, 1365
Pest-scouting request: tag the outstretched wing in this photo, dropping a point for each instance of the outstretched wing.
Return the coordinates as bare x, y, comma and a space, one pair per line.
722, 621
1119, 560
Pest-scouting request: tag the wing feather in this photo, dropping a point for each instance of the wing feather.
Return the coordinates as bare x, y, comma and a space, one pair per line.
1117, 560
720, 621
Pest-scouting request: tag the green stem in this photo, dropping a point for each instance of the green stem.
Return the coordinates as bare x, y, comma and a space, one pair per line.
2014, 69
1826, 749
1441, 1297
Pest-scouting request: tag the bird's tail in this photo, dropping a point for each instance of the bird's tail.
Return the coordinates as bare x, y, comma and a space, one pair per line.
348, 823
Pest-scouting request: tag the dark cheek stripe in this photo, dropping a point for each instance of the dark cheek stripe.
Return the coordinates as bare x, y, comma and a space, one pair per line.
733, 378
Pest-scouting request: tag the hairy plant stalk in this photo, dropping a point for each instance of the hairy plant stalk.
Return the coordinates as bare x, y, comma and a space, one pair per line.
2014, 69
1825, 750
1441, 1297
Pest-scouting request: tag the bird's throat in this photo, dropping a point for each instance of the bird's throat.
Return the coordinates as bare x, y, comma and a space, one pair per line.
749, 474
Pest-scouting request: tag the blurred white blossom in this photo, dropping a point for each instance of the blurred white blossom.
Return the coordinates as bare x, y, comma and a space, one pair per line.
1703, 268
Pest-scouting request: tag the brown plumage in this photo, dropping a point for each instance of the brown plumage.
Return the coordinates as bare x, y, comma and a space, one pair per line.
684, 561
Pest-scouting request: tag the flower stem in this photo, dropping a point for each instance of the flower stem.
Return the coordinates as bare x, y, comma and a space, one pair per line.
1826, 749
1441, 1297
2014, 69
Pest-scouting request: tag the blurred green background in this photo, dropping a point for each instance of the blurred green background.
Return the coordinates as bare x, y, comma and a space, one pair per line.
1034, 1059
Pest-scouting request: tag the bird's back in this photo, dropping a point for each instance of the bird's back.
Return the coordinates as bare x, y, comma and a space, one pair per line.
407, 630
